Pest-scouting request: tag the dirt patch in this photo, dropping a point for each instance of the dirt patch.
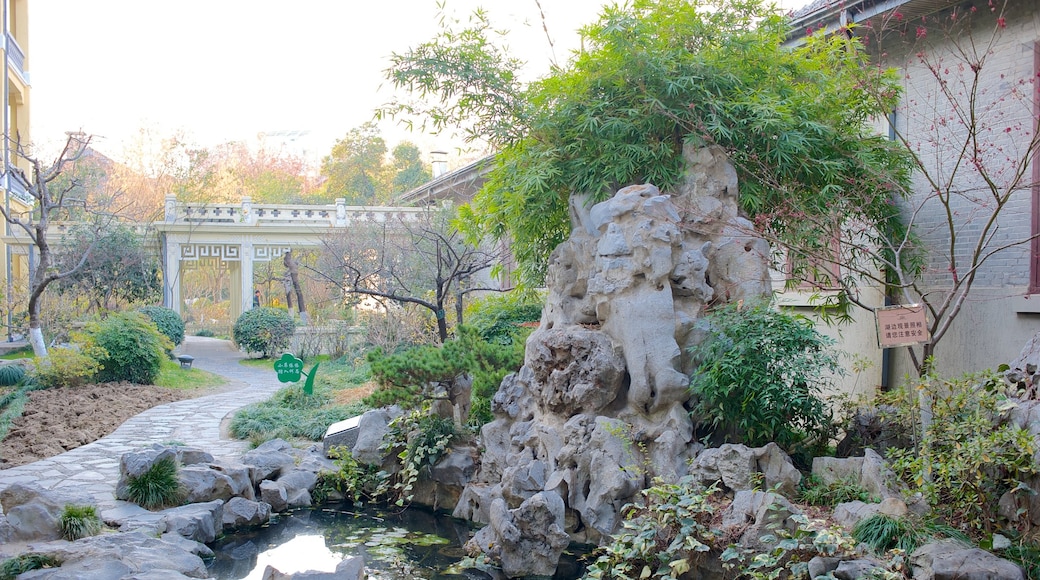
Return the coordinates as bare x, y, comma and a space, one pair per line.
57, 420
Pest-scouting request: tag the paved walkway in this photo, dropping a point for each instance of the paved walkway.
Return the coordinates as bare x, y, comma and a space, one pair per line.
94, 468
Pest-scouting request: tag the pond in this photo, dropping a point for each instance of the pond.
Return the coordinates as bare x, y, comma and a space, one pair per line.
413, 544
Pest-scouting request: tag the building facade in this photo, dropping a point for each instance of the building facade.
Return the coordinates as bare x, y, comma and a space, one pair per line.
969, 112
14, 264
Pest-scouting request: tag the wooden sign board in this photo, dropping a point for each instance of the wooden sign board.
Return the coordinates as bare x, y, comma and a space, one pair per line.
903, 325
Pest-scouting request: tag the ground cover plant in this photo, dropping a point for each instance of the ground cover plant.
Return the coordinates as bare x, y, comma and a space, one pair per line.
290, 414
964, 456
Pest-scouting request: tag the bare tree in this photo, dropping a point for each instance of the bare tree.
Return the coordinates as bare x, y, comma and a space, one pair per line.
423, 262
967, 125
54, 199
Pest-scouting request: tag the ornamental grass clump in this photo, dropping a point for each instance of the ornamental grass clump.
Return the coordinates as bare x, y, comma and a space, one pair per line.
158, 487
79, 521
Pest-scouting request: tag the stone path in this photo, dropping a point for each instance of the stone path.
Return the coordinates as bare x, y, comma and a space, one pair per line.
94, 468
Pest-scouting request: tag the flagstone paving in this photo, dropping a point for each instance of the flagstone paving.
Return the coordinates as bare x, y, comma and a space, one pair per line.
94, 468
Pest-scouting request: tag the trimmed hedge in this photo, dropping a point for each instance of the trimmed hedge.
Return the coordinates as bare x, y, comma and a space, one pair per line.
264, 330
167, 321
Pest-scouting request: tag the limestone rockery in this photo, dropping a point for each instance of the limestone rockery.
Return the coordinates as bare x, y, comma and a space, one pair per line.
597, 411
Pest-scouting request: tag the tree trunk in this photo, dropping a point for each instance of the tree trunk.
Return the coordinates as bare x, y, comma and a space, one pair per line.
294, 276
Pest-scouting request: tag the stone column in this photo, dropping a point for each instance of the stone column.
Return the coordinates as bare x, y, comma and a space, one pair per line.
341, 212
172, 280
170, 209
246, 281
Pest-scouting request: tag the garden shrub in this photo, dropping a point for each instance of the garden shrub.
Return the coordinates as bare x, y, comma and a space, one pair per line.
264, 330
966, 458
156, 488
66, 367
358, 482
497, 317
79, 521
414, 375
760, 378
418, 439
167, 321
134, 349
205, 332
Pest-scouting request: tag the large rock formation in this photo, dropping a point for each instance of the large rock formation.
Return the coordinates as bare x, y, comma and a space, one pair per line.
597, 411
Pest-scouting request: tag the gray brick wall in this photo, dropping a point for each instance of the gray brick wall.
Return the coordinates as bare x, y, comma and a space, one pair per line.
1004, 127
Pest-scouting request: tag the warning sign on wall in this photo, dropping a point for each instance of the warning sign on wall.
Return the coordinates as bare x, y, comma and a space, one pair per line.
902, 325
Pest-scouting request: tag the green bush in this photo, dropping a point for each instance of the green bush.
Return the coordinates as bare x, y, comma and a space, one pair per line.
760, 378
497, 318
66, 367
358, 482
134, 348
264, 330
11, 375
167, 321
409, 377
156, 488
205, 332
79, 521
966, 457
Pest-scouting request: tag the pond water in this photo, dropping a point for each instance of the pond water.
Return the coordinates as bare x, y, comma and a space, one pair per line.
413, 544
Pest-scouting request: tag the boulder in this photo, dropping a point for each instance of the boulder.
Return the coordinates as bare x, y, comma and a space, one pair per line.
275, 495
121, 555
952, 560
136, 463
527, 540
753, 514
298, 485
341, 434
372, 429
442, 487
200, 522
240, 512
733, 465
32, 513
870, 472
350, 568
269, 459
201, 483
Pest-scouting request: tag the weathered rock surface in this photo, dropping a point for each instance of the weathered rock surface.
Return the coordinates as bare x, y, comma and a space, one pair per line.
597, 411
951, 560
527, 540
31, 513
240, 512
734, 466
115, 556
200, 522
352, 568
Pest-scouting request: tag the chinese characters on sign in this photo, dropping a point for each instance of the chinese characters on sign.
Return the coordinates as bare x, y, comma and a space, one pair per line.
903, 325
289, 368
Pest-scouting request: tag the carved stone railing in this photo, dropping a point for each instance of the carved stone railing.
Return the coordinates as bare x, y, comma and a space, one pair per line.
253, 214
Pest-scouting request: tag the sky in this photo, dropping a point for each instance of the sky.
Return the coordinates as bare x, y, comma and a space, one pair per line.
229, 70
302, 73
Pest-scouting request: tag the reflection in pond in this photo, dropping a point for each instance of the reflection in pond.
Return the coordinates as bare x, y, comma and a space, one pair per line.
412, 544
